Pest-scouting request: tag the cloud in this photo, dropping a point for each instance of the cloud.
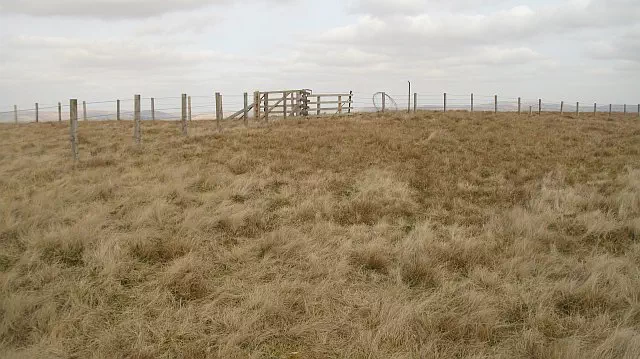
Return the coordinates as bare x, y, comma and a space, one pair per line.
384, 7
107, 9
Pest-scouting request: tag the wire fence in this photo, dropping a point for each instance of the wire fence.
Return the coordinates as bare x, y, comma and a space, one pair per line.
203, 107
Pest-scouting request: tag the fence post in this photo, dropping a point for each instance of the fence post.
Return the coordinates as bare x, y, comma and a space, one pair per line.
59, 112
610, 107
625, 109
415, 102
218, 110
37, 113
266, 106
118, 110
256, 105
84, 110
284, 105
539, 106
183, 115
153, 109
73, 128
245, 116
495, 103
340, 105
384, 100
519, 105
136, 117
638, 110
471, 102
595, 109
577, 108
15, 113
561, 108
351, 96
444, 108
530, 110
318, 106
189, 103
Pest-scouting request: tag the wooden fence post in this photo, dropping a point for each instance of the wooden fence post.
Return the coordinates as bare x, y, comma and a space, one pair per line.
610, 108
245, 116
638, 110
471, 102
73, 128
384, 101
577, 108
136, 118
625, 109
189, 103
218, 110
561, 108
256, 105
351, 96
595, 109
15, 113
444, 105
318, 99
118, 110
153, 109
519, 105
415, 102
266, 107
59, 112
37, 113
340, 105
495, 103
183, 116
530, 110
539, 106
84, 110
284, 105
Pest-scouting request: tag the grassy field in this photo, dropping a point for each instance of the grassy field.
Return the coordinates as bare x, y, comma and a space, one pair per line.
397, 236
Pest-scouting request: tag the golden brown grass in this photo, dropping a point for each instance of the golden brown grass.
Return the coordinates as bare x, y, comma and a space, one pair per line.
422, 236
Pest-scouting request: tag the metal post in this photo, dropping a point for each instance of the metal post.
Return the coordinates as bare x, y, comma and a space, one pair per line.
444, 108
384, 100
37, 113
15, 113
495, 103
409, 104
595, 109
610, 108
519, 105
59, 112
471, 102
561, 108
415, 102
136, 118
153, 109
118, 110
350, 100
577, 108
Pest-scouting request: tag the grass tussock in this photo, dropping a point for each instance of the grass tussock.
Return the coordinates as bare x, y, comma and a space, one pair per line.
395, 236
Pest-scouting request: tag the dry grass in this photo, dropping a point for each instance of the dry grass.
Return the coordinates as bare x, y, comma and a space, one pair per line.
393, 236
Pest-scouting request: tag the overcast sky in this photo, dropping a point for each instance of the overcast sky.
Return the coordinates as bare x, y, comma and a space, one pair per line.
53, 50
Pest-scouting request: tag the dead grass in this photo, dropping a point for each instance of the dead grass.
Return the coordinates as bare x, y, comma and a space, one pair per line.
430, 236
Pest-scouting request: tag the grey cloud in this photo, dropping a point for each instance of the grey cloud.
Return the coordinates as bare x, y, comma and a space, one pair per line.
106, 9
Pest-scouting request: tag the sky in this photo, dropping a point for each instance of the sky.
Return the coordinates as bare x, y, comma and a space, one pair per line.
572, 50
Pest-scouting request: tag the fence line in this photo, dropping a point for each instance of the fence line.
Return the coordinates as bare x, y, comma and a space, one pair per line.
293, 102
